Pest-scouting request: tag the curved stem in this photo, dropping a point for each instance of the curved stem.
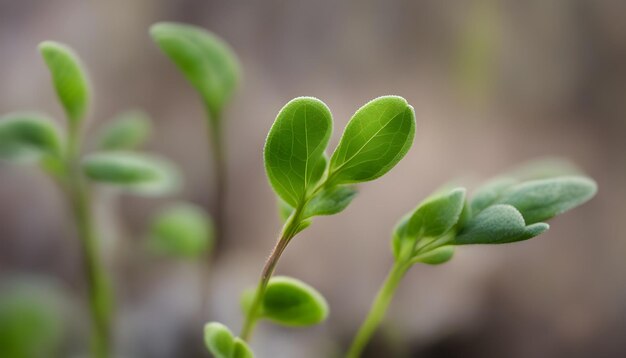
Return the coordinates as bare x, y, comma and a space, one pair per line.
378, 309
289, 231
100, 299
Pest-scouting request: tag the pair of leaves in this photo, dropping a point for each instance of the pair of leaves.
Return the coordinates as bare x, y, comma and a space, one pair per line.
26, 136
182, 230
432, 219
133, 172
289, 302
206, 61
376, 138
220, 341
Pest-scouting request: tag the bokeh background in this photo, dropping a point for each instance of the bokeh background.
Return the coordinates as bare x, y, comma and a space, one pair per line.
494, 84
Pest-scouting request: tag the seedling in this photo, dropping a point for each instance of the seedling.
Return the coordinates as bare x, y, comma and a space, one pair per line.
32, 137
308, 184
212, 68
504, 210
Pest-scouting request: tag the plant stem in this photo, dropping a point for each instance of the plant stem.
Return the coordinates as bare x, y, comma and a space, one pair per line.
378, 309
100, 300
289, 231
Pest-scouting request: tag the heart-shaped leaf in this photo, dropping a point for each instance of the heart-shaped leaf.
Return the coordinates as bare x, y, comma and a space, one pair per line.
127, 131
206, 61
222, 344
330, 201
289, 302
379, 134
182, 230
133, 172
295, 148
540, 200
26, 136
498, 224
69, 79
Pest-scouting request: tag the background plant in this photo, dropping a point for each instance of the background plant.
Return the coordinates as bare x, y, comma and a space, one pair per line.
504, 210
33, 137
212, 68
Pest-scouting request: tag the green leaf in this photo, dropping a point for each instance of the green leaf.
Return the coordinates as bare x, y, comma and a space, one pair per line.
295, 147
437, 215
182, 230
68, 78
330, 201
127, 131
490, 193
433, 218
206, 61
291, 302
540, 200
132, 172
498, 224
27, 136
222, 344
379, 134
437, 256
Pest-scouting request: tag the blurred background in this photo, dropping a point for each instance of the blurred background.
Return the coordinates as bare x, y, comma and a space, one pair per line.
494, 83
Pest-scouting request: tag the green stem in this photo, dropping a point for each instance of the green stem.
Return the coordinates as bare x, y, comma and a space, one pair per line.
100, 299
289, 231
378, 309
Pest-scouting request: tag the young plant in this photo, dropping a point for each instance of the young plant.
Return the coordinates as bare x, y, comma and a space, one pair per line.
32, 137
212, 68
308, 184
504, 210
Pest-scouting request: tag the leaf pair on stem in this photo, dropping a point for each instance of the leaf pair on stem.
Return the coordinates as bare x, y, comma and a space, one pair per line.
504, 210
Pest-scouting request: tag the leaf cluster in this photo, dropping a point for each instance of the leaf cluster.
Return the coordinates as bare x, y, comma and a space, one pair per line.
504, 210
308, 182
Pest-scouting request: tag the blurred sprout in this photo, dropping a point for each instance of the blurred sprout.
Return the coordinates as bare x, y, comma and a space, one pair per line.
31, 318
28, 136
133, 172
68, 78
207, 62
182, 230
289, 302
127, 131
222, 344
